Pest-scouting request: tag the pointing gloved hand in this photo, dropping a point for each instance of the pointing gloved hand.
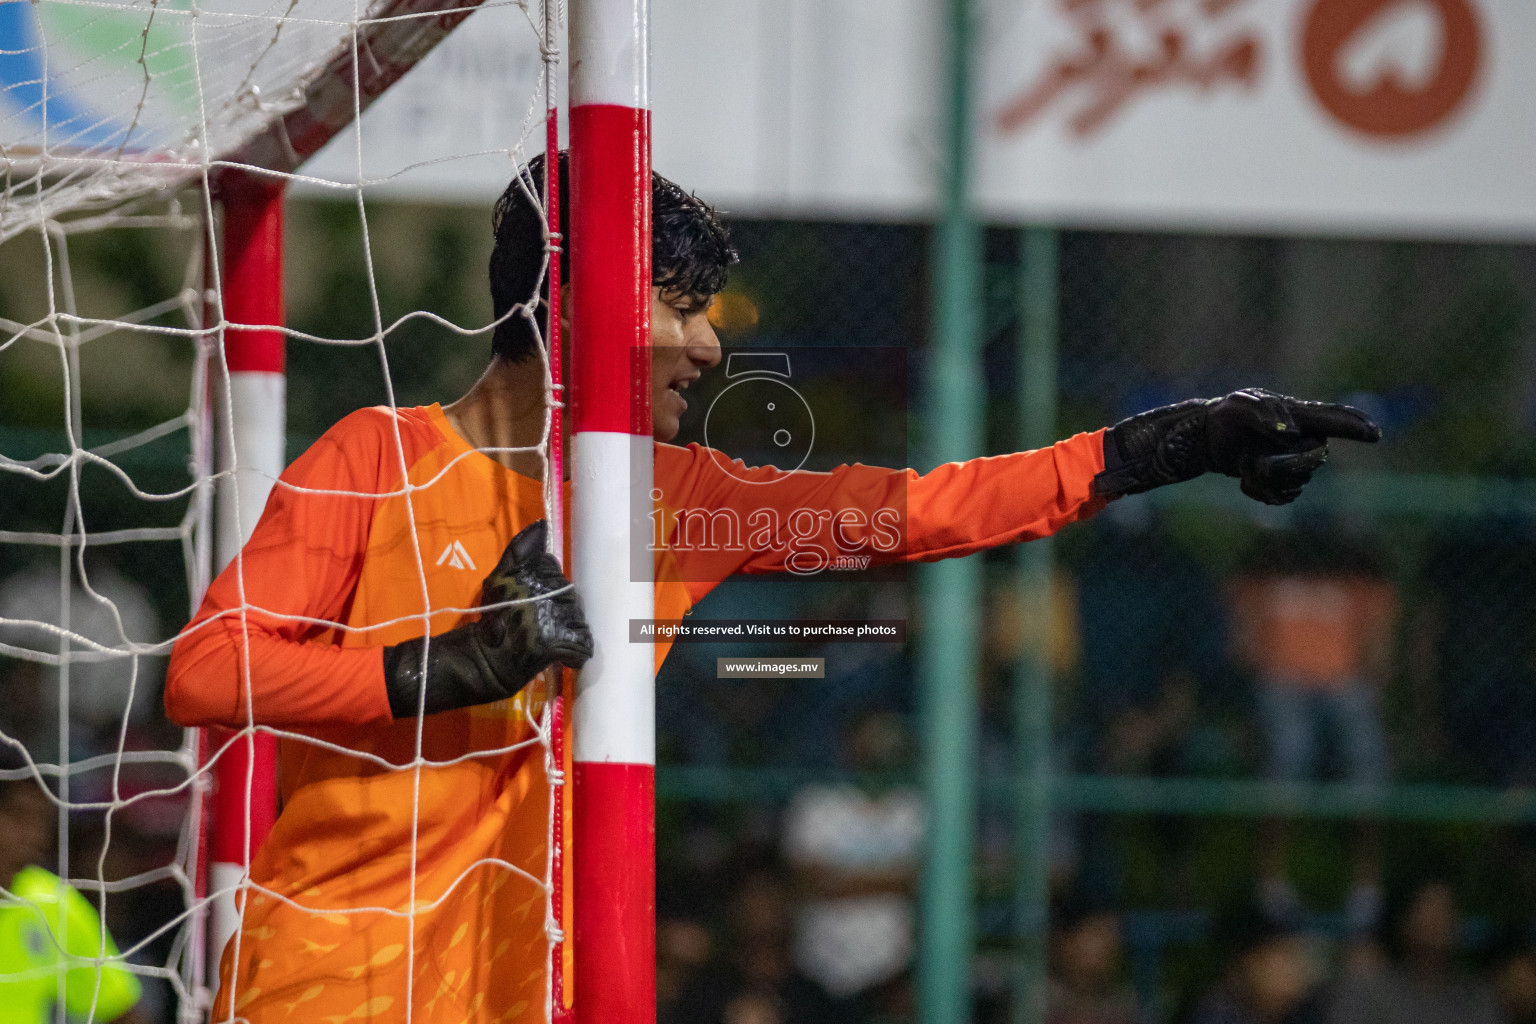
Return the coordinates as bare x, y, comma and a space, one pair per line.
1272, 443
493, 657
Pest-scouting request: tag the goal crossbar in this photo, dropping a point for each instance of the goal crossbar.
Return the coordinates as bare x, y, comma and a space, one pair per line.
304, 80
394, 39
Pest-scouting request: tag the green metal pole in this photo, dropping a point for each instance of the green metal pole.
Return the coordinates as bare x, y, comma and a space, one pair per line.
1037, 385
951, 589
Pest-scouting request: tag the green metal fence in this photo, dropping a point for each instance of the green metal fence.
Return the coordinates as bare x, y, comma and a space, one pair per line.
1437, 339
1123, 321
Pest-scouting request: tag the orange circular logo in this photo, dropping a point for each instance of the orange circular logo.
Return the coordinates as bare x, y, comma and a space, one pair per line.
1391, 68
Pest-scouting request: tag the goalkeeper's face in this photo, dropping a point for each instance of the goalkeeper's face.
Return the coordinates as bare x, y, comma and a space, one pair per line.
683, 346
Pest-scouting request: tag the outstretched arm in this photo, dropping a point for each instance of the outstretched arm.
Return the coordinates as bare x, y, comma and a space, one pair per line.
720, 516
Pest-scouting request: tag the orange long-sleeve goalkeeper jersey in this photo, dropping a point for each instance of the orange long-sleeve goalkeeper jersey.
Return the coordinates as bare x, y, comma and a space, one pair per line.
344, 561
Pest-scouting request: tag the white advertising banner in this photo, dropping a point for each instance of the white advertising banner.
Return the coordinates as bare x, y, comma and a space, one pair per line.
1395, 117
447, 130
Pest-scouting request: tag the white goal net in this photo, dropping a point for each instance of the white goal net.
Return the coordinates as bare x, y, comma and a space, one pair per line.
122, 126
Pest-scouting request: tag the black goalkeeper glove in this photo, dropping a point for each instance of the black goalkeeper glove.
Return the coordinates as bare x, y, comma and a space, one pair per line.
493, 657
1273, 443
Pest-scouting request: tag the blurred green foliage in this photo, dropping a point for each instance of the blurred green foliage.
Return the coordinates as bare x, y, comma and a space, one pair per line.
422, 259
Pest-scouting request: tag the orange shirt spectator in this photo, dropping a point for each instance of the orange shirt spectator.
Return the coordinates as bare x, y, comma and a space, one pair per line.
1317, 631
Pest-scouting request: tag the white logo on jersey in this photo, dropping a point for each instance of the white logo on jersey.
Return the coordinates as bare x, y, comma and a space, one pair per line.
455, 555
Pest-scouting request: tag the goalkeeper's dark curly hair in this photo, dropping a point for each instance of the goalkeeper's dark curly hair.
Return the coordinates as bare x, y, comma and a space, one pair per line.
691, 250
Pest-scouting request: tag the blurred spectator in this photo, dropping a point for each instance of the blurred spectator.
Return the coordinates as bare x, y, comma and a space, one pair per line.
44, 921
861, 676
1421, 983
1153, 655
1010, 634
1272, 978
855, 853
1515, 976
106, 681
1085, 984
758, 984
1152, 641
702, 719
683, 947
1313, 618
1473, 661
27, 708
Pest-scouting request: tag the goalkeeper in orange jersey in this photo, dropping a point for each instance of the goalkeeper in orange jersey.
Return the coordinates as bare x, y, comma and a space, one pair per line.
381, 891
